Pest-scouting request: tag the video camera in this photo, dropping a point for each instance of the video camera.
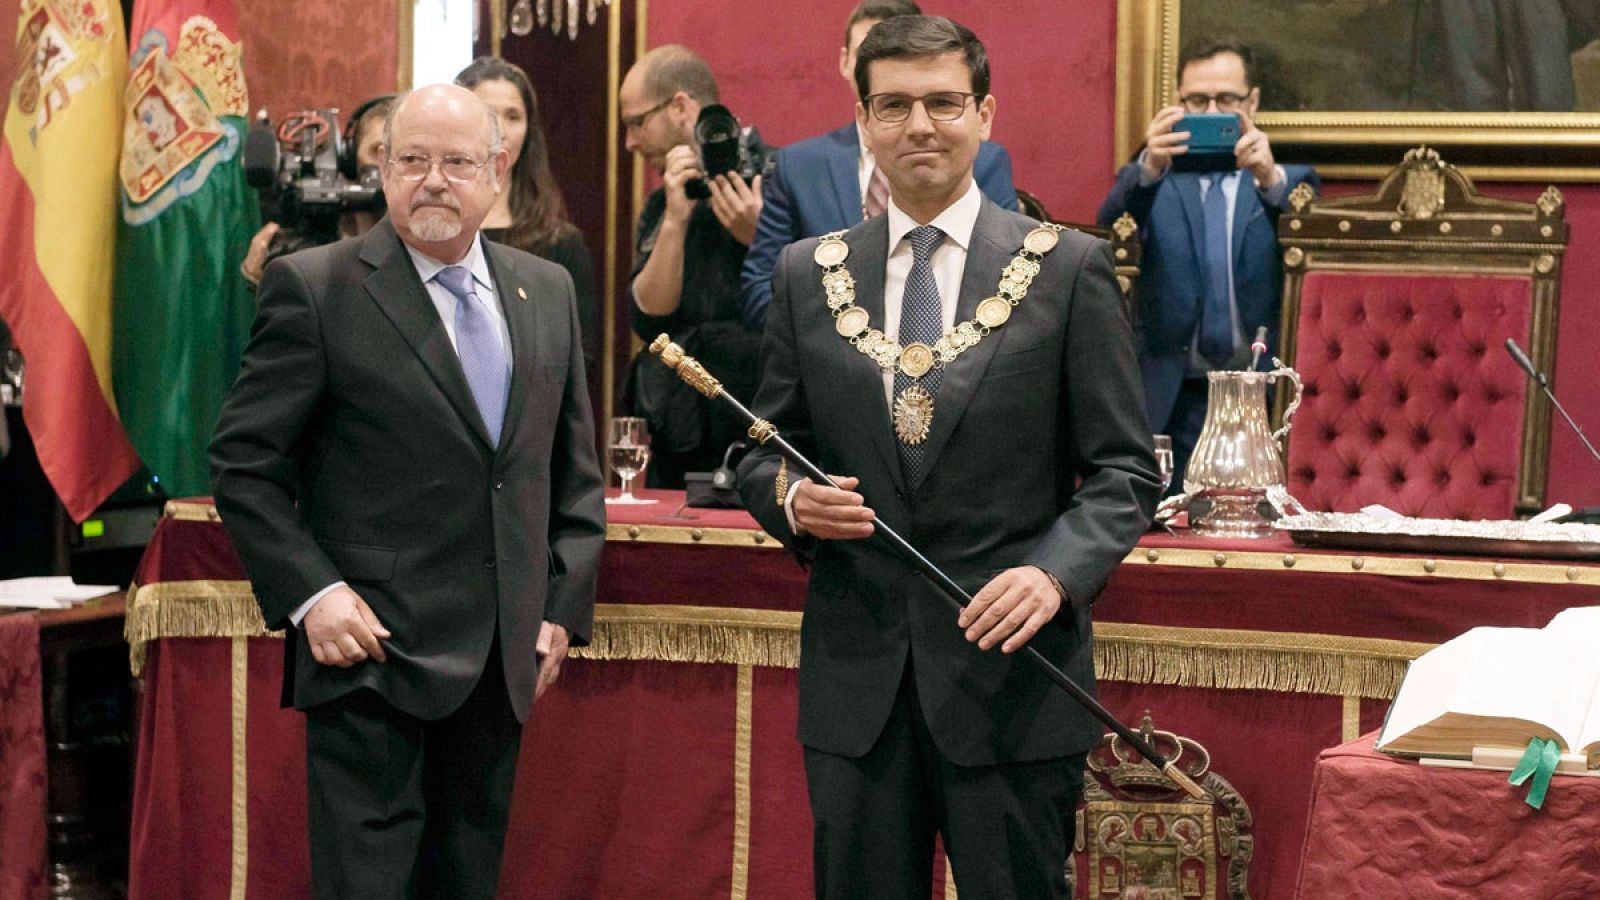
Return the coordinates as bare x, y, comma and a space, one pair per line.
725, 147
308, 177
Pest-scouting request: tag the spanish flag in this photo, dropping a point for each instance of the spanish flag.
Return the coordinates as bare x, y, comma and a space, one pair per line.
183, 310
58, 228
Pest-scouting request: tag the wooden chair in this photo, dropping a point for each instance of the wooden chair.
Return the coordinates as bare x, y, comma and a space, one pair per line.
1397, 305
1123, 236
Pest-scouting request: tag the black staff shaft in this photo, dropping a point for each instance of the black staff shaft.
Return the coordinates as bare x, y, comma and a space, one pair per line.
693, 373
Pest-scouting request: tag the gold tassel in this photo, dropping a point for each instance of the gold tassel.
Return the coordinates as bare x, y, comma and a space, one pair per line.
170, 609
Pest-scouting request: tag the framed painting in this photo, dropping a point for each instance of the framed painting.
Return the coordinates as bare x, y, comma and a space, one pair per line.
1505, 89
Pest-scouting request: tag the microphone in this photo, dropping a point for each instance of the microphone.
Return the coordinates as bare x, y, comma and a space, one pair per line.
1258, 347
1527, 366
1538, 377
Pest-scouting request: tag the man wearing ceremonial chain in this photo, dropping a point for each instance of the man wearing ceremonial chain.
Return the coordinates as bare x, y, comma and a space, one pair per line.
968, 375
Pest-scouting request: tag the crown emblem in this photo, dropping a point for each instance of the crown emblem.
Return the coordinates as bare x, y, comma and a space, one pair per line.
1128, 771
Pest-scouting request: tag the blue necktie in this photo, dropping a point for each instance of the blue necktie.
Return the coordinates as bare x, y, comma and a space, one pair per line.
1216, 317
483, 357
921, 319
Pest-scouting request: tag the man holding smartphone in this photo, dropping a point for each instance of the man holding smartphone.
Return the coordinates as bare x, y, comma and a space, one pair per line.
1211, 268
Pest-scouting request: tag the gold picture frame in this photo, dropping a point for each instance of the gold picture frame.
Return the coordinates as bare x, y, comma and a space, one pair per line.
1488, 146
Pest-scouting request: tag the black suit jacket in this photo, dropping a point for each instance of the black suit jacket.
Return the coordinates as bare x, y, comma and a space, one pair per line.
1048, 399
350, 448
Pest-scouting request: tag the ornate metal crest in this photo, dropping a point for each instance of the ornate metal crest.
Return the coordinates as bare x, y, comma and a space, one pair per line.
174, 108
1140, 837
1550, 202
1124, 226
52, 37
1301, 197
1422, 197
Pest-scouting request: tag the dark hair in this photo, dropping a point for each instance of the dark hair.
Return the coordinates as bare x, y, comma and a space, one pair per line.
538, 212
878, 11
375, 108
904, 36
672, 68
1203, 48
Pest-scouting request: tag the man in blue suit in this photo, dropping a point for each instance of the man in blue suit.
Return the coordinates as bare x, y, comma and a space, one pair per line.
830, 182
1212, 271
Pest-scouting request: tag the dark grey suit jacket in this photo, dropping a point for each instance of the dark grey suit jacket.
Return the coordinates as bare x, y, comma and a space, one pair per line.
350, 448
1049, 398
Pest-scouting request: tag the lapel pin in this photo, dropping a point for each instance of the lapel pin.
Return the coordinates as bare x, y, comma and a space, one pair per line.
522, 294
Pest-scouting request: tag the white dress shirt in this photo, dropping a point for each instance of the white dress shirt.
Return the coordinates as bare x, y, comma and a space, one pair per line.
445, 302
949, 263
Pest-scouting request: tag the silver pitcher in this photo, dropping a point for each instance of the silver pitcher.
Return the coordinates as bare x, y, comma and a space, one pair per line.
1237, 461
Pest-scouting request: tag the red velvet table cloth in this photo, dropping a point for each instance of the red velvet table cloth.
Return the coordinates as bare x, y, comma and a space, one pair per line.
22, 760
1386, 827
665, 763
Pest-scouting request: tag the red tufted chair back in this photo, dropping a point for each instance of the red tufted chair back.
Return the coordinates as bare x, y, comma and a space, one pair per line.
1397, 306
1410, 398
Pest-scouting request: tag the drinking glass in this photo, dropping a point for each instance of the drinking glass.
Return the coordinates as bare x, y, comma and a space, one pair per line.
1163, 445
629, 443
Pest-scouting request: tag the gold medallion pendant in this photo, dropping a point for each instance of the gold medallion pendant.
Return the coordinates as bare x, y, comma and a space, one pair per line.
830, 252
916, 359
993, 312
913, 415
851, 322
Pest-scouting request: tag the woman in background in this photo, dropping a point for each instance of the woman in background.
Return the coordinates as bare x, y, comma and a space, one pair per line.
530, 214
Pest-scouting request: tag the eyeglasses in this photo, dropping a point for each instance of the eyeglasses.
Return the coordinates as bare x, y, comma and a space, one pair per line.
415, 167
942, 106
1199, 103
630, 123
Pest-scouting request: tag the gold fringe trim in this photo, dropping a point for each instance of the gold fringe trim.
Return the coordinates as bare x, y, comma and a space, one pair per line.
1238, 659
694, 634
1230, 659
206, 608
1233, 659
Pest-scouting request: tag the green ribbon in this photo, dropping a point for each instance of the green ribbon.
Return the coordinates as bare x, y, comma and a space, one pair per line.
1538, 761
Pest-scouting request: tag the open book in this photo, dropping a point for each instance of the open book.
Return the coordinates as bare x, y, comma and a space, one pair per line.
1500, 688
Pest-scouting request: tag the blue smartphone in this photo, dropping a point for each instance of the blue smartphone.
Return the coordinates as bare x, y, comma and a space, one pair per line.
1212, 137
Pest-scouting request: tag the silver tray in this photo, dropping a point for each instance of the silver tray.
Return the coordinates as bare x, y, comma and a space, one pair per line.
1359, 531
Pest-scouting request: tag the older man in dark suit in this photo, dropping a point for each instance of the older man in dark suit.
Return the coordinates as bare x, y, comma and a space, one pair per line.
406, 465
1016, 456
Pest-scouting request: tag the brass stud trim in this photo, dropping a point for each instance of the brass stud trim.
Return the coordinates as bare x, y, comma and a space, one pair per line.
1288, 560
1221, 559
1152, 555
1499, 570
1430, 566
1358, 563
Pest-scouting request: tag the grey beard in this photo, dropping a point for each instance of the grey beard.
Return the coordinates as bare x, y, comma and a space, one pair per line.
433, 228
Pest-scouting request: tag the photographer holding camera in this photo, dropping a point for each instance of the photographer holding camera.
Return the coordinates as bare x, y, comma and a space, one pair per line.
1206, 192
691, 242
363, 153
